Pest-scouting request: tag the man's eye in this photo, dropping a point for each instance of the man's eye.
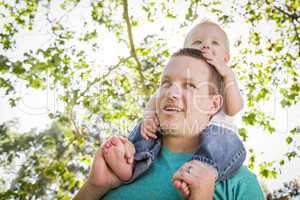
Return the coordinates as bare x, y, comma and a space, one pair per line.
215, 42
190, 85
165, 83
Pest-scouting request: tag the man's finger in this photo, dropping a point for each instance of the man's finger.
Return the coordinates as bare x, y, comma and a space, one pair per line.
183, 177
129, 152
106, 144
129, 149
185, 189
115, 140
123, 139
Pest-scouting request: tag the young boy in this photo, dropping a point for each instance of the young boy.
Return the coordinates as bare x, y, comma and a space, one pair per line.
118, 152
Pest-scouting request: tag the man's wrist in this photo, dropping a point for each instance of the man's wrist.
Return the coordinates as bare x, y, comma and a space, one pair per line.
90, 192
205, 191
213, 171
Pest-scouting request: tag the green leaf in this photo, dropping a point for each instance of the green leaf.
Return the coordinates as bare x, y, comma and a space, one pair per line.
243, 133
289, 140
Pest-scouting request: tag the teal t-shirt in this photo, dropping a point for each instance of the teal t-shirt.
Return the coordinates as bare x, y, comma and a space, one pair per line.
156, 183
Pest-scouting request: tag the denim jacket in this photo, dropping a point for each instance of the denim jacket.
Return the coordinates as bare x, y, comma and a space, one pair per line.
220, 147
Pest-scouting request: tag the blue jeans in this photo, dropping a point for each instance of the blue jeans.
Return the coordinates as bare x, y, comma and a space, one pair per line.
219, 147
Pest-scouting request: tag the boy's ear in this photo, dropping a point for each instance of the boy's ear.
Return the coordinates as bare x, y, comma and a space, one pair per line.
226, 57
217, 102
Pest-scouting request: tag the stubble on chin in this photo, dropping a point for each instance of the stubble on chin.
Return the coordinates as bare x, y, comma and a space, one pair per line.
169, 129
186, 130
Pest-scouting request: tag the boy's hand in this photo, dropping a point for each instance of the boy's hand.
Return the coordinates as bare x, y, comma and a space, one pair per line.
218, 63
150, 126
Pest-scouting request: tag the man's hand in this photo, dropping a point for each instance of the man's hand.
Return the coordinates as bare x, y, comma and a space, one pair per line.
100, 180
100, 174
200, 179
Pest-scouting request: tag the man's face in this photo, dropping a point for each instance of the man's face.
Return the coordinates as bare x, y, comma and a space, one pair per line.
183, 103
208, 37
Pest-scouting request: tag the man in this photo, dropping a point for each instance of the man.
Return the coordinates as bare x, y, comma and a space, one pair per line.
188, 98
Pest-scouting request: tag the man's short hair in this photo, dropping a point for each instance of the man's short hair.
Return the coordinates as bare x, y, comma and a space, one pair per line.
215, 79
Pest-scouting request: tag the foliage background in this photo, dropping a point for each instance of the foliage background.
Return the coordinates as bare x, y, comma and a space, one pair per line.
101, 60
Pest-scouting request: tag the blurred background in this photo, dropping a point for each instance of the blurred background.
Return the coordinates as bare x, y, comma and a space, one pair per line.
73, 73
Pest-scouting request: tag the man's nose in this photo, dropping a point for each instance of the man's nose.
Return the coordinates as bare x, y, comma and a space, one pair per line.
174, 91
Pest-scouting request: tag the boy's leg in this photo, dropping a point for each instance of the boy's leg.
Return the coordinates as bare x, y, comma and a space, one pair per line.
221, 148
118, 154
146, 151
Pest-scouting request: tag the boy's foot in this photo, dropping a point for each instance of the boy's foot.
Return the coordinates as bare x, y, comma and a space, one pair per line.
115, 153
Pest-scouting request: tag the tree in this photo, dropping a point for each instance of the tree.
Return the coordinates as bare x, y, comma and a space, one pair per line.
290, 189
112, 95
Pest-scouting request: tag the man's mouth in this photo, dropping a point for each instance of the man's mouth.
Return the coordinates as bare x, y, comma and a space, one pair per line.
172, 109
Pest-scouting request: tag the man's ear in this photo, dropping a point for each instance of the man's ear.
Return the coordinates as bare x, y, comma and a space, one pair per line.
226, 57
216, 104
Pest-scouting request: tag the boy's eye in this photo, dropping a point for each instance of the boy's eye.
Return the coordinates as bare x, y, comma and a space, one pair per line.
215, 42
197, 42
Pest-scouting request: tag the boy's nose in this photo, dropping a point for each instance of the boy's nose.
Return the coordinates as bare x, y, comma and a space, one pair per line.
205, 46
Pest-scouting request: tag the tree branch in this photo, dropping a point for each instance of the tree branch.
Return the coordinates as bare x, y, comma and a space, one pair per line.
131, 44
51, 22
294, 18
297, 35
96, 80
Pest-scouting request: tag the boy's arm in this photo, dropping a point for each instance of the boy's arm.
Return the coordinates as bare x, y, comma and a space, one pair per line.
233, 101
221, 148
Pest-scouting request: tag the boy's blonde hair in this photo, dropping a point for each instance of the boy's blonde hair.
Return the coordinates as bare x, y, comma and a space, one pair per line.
206, 21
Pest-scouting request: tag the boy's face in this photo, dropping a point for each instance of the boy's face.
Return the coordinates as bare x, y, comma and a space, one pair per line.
183, 104
208, 37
